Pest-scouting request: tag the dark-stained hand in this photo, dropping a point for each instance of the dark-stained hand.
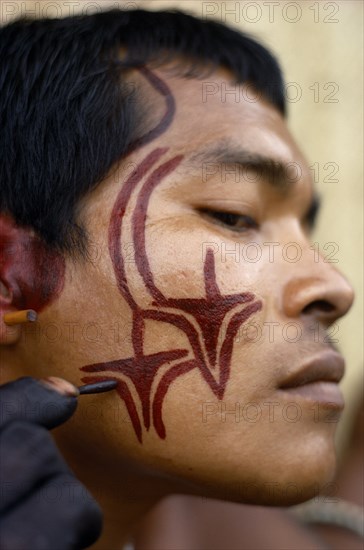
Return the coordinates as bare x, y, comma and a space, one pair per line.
42, 505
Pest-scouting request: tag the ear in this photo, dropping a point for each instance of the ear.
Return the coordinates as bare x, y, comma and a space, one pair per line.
8, 334
8, 256
31, 274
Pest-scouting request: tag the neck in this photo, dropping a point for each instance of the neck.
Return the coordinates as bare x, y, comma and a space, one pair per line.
124, 493
124, 502
119, 521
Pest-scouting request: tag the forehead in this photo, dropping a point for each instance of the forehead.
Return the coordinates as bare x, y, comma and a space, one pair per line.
214, 120
214, 113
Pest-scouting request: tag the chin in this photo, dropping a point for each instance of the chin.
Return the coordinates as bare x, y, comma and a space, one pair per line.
295, 489
297, 484
299, 478
282, 476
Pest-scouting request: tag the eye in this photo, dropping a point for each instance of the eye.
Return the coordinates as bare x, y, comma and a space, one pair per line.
235, 222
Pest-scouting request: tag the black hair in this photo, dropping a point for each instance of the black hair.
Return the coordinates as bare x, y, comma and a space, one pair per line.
66, 112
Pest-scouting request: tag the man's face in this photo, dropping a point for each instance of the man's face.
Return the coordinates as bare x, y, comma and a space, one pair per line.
203, 297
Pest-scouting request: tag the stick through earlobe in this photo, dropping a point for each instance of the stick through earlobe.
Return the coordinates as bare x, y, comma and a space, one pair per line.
20, 317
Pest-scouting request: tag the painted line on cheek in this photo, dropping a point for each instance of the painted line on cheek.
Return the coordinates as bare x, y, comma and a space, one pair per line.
208, 311
227, 347
165, 382
124, 393
141, 371
117, 215
138, 223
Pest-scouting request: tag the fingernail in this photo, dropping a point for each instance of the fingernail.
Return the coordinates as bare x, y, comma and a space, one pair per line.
60, 385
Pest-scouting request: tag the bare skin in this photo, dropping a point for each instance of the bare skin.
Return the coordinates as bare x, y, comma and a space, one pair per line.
262, 456
181, 522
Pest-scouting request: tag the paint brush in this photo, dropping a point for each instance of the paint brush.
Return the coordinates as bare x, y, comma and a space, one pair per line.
98, 387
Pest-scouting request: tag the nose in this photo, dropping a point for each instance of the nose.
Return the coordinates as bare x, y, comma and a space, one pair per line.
318, 290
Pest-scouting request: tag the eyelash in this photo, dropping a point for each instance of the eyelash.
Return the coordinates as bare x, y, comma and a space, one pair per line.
229, 219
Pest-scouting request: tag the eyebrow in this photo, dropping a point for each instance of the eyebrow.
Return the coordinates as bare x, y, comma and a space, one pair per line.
274, 171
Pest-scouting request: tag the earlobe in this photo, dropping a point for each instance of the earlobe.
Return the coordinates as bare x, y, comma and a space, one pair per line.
5, 294
10, 318
10, 331
8, 334
11, 324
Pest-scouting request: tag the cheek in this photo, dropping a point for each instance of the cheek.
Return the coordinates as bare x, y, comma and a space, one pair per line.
177, 256
171, 288
177, 242
177, 272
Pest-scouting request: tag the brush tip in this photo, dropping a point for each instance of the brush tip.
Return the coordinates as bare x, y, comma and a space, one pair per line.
98, 387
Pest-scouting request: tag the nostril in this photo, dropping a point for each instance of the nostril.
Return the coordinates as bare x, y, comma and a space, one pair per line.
319, 306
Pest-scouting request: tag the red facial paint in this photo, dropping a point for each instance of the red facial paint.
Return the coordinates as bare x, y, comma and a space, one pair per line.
33, 273
209, 312
163, 90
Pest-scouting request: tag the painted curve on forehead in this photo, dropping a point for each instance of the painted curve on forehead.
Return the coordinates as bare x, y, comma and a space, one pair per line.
170, 108
199, 318
32, 271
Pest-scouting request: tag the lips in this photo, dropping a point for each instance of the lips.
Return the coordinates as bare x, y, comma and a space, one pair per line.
327, 367
316, 382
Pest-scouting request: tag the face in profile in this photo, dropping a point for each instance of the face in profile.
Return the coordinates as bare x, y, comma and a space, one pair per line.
203, 297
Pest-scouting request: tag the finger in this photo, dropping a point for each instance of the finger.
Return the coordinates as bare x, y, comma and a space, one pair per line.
60, 515
28, 456
28, 399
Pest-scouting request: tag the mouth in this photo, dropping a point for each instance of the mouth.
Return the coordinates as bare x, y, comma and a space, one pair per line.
317, 381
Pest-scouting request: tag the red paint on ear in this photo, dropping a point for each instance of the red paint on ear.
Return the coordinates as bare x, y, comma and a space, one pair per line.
33, 272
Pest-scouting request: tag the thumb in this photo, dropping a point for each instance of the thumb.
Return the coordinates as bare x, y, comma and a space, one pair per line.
37, 401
